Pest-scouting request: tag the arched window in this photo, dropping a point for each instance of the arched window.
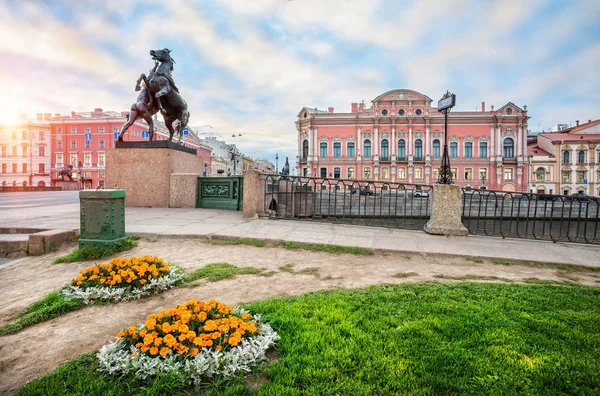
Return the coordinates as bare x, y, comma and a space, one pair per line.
305, 149
509, 148
337, 149
350, 149
468, 150
566, 157
580, 157
540, 174
453, 150
483, 150
418, 148
436, 148
323, 147
402, 149
367, 150
385, 149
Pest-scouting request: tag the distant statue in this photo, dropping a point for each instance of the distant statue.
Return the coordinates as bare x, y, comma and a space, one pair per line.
286, 168
162, 87
145, 107
66, 171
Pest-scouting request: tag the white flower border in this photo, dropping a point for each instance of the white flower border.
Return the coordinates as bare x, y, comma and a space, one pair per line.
155, 286
115, 358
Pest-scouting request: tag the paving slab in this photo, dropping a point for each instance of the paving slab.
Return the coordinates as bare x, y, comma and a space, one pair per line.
202, 223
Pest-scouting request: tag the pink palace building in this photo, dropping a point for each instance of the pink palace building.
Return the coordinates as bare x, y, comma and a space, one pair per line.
400, 138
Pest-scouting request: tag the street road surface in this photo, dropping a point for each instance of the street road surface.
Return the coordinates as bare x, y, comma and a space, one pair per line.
39, 209
13, 200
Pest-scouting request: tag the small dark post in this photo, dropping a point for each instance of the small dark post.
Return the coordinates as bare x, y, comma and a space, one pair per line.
276, 163
444, 105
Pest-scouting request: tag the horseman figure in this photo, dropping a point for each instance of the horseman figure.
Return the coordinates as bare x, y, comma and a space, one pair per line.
159, 93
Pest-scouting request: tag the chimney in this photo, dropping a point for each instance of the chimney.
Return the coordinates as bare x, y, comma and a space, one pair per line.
47, 116
354, 107
589, 121
39, 116
361, 106
56, 115
576, 122
482, 106
97, 110
73, 114
330, 109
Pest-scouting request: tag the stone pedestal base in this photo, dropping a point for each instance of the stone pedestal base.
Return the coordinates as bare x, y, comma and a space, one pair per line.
67, 185
145, 173
184, 190
446, 211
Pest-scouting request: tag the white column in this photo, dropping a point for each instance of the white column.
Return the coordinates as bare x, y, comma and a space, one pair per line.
410, 142
310, 140
427, 148
358, 145
492, 145
315, 145
393, 144
299, 146
499, 140
375, 144
522, 145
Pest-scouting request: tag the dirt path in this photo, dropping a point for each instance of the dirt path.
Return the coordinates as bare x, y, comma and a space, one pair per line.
41, 348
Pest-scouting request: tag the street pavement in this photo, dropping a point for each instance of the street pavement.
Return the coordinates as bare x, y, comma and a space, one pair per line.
60, 210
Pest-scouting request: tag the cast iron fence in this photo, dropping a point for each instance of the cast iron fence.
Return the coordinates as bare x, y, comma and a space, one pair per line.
557, 218
361, 202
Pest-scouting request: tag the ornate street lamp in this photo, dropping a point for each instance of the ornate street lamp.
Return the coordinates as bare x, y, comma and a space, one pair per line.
444, 105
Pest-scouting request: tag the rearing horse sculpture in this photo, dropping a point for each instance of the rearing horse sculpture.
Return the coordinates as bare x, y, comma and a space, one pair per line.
145, 107
161, 85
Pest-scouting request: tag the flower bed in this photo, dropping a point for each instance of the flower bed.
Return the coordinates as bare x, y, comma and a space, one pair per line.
195, 340
124, 279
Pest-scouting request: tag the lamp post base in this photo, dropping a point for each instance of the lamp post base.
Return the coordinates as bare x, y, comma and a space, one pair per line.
446, 211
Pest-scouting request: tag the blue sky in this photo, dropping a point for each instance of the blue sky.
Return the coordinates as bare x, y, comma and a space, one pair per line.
248, 67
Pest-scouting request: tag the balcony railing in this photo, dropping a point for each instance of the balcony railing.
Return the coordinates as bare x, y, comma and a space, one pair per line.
419, 159
384, 158
402, 159
303, 160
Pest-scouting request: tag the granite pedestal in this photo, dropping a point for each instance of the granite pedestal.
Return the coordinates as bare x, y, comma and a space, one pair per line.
144, 170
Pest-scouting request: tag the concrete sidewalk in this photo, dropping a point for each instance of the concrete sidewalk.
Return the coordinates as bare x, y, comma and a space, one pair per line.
205, 223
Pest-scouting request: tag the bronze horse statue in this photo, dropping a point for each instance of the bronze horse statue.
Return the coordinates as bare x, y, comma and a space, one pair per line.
66, 171
160, 84
145, 107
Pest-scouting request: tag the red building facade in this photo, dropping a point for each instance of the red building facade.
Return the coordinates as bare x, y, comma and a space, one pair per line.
83, 139
400, 138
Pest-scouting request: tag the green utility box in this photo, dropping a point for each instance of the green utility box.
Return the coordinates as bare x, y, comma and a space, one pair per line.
102, 216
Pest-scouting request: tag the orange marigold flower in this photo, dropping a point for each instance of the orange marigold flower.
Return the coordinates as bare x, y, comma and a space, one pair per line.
219, 348
169, 340
153, 350
194, 352
164, 351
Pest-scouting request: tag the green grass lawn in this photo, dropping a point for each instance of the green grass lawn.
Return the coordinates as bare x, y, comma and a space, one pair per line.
463, 338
